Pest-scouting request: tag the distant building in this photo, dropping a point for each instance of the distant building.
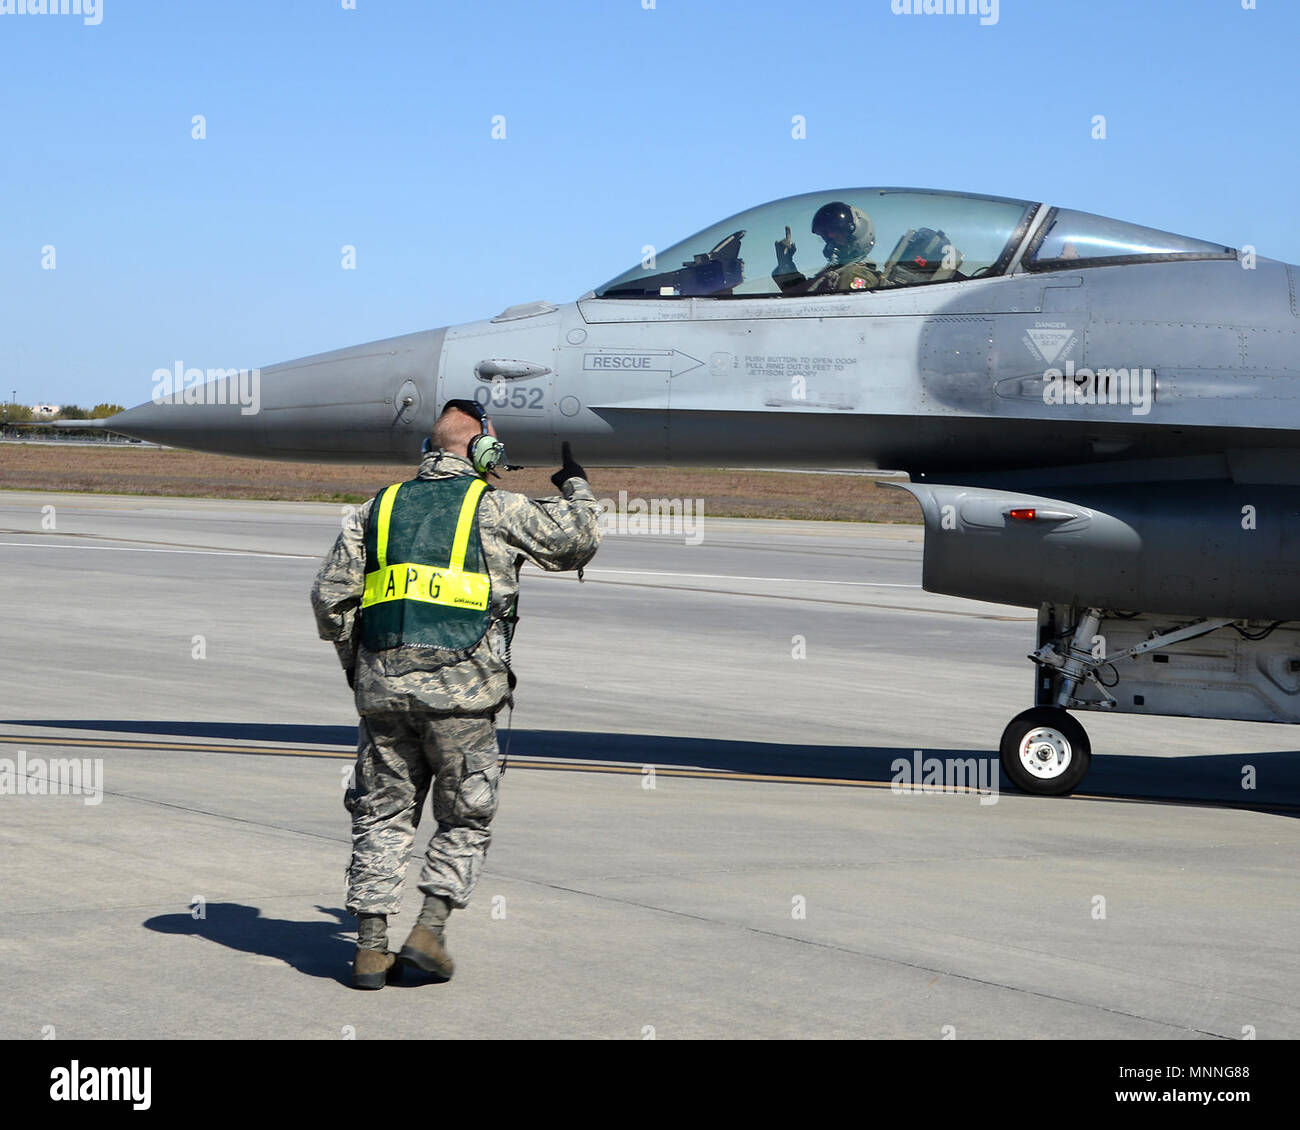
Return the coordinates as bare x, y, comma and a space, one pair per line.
45, 411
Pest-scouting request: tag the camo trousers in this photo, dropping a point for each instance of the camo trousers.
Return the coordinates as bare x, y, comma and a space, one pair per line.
400, 757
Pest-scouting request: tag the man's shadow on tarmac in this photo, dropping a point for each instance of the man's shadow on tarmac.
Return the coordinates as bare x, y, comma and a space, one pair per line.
318, 949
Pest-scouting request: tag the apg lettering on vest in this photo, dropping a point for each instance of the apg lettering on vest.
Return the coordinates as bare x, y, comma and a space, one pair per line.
428, 584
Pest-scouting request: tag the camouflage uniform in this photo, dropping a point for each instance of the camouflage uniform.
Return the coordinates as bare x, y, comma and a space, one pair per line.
427, 722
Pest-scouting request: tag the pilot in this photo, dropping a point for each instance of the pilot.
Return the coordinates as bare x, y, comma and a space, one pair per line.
418, 595
848, 236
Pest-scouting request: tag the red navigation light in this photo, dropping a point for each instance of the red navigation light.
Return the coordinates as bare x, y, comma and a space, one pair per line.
1023, 514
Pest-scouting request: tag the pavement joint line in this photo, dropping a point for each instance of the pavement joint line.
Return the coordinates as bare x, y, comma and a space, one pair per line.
834, 947
1002, 945
811, 600
625, 584
895, 862
93, 540
837, 948
777, 935
326, 896
730, 577
871, 546
143, 549
627, 572
226, 816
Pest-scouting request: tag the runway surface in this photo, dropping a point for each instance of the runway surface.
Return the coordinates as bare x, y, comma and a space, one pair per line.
771, 883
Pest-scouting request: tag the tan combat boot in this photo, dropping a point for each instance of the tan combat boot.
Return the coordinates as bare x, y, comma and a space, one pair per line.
373, 969
425, 951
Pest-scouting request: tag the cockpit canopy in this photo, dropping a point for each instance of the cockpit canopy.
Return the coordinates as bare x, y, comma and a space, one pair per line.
856, 239
1068, 240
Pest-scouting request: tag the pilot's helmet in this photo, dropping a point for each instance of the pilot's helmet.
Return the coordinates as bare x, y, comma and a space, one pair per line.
848, 231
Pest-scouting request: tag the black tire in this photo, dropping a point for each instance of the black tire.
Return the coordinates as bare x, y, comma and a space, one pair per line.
1061, 732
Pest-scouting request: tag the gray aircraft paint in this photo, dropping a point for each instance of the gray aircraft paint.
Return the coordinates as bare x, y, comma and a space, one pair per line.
886, 369
943, 381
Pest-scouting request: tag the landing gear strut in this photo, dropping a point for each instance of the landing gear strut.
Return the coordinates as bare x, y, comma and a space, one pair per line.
1045, 750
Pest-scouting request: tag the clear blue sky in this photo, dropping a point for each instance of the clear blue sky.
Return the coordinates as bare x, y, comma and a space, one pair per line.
624, 127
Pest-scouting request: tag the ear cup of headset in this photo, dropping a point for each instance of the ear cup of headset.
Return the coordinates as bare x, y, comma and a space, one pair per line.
486, 453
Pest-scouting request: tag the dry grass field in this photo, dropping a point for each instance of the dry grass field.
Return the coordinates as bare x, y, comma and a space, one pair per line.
188, 474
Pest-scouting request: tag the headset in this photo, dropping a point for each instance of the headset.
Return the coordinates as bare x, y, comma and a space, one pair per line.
485, 451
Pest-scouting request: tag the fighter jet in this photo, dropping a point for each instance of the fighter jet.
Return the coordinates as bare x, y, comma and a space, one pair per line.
1099, 420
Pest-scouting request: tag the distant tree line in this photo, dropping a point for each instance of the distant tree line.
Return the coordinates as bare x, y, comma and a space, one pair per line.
22, 414
99, 412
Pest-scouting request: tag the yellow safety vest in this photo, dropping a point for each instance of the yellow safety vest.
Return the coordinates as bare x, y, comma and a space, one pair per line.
418, 590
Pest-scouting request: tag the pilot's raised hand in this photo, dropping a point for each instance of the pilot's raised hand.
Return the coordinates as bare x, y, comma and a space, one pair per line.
785, 250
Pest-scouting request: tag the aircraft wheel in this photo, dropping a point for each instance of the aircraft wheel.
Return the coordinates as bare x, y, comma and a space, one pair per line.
1045, 751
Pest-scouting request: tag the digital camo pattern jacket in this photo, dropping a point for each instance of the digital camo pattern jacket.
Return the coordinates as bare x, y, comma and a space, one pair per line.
557, 533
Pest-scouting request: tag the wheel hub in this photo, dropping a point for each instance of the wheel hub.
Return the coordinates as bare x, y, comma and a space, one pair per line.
1045, 752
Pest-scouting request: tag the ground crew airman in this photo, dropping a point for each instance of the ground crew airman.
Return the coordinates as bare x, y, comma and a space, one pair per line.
418, 595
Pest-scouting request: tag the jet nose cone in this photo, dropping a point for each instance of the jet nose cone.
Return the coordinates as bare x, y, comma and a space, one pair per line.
363, 404
215, 421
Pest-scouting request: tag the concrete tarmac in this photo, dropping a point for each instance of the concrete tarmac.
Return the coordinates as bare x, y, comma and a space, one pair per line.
697, 837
